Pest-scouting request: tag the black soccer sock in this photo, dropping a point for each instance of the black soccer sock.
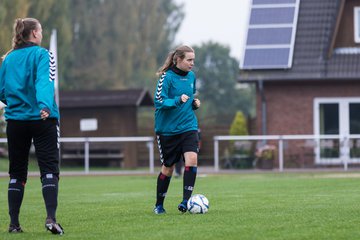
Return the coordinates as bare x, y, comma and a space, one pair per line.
50, 194
189, 181
15, 197
163, 182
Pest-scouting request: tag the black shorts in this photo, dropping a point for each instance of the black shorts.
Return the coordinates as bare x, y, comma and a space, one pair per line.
172, 148
44, 134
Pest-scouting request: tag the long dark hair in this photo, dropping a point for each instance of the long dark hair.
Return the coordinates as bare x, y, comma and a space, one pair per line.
21, 32
170, 60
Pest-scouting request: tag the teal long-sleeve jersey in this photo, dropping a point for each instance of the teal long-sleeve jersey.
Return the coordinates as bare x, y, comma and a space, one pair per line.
171, 115
27, 77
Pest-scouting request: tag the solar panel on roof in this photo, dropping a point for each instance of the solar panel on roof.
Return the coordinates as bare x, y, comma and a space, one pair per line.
255, 2
271, 34
263, 36
272, 15
268, 57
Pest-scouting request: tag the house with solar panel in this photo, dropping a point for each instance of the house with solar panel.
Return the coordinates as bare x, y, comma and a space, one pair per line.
304, 58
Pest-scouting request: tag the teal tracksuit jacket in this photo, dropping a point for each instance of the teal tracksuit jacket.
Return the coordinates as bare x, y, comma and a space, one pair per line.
171, 116
27, 77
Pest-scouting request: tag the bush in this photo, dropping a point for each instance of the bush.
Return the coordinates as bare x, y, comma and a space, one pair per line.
241, 155
238, 128
239, 125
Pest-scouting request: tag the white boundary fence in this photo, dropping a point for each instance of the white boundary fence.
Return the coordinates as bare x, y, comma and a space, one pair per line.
344, 141
87, 140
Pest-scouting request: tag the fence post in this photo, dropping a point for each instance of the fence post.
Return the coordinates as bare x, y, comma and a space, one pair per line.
86, 153
281, 154
150, 145
343, 154
216, 155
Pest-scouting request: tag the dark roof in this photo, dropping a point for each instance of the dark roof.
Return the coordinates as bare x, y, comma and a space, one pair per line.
105, 98
315, 30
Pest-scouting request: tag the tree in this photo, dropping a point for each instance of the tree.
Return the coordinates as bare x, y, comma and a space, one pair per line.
9, 10
55, 14
116, 43
51, 13
102, 44
217, 73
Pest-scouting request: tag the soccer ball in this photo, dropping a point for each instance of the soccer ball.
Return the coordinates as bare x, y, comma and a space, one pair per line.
198, 203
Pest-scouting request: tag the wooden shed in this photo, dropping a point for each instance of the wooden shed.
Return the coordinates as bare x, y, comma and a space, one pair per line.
103, 113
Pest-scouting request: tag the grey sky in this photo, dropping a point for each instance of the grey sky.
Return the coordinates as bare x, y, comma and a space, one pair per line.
222, 21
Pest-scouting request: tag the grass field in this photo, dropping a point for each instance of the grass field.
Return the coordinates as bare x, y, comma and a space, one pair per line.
242, 206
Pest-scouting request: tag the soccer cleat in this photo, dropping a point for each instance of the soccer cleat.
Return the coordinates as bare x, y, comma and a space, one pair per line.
15, 228
53, 227
159, 209
183, 206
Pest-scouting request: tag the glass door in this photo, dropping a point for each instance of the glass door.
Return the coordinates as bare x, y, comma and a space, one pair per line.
354, 122
329, 125
339, 118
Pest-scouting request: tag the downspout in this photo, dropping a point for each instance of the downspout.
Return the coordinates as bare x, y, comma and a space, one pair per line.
263, 108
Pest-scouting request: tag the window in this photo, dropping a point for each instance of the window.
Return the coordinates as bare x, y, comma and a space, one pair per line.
357, 24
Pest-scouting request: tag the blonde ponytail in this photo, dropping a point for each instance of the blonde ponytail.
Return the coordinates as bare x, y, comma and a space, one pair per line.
21, 32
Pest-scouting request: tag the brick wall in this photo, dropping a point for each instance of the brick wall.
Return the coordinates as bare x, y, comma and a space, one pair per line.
290, 104
290, 110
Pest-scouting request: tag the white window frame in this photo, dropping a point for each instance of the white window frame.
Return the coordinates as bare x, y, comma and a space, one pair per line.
356, 24
344, 130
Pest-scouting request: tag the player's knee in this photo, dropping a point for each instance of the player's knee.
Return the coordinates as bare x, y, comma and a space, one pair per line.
190, 159
19, 178
49, 178
167, 171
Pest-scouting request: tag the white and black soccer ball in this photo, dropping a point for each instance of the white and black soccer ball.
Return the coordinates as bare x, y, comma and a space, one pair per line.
198, 203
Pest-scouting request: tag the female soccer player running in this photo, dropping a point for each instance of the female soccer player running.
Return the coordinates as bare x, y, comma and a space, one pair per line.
27, 88
176, 125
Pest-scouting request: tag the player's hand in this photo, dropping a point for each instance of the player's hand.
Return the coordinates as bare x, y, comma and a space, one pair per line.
44, 114
196, 103
184, 98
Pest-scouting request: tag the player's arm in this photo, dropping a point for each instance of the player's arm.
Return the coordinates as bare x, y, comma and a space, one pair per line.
44, 83
2, 84
162, 99
196, 102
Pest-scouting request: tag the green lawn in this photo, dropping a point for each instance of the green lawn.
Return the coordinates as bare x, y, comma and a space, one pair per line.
242, 206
